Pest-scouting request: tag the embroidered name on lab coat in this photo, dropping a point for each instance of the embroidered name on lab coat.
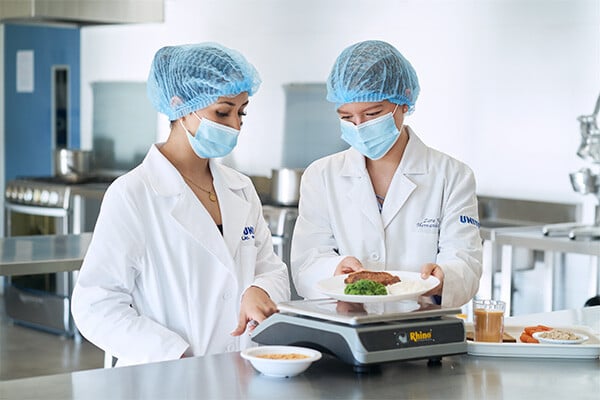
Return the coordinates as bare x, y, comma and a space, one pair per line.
429, 223
248, 233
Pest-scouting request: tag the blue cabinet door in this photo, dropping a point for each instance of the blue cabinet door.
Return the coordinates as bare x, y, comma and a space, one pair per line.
30, 136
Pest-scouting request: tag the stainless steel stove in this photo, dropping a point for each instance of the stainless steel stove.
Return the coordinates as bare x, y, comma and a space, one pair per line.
40, 192
47, 205
365, 335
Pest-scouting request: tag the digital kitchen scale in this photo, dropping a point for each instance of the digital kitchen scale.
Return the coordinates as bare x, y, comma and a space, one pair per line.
366, 334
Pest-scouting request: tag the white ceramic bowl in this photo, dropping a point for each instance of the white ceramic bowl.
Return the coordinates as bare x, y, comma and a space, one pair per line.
580, 339
280, 368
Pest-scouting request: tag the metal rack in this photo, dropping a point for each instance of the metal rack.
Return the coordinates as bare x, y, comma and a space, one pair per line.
554, 249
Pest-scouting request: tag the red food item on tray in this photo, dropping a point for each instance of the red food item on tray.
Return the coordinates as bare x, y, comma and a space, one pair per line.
528, 331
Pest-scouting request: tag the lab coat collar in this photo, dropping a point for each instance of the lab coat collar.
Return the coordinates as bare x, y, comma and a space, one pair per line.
163, 176
414, 162
235, 208
361, 189
415, 158
354, 164
166, 181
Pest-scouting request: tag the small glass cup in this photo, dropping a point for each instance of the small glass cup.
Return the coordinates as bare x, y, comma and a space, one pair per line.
488, 320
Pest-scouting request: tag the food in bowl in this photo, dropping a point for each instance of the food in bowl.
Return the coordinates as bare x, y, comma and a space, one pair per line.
558, 334
284, 356
281, 361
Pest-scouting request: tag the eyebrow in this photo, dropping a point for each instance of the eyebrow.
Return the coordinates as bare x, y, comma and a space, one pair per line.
232, 104
363, 111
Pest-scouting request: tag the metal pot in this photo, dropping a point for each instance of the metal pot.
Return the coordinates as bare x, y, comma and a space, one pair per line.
285, 186
73, 165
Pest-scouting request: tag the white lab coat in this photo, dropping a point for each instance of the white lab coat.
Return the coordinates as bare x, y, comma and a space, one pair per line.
159, 279
429, 216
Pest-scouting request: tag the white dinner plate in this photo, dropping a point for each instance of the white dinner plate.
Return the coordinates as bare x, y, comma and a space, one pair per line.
410, 286
537, 335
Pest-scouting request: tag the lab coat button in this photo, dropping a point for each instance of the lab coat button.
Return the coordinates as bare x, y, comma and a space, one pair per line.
226, 295
374, 256
230, 347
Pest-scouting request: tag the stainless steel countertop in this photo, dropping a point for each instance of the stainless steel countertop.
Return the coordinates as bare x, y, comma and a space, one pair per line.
228, 376
22, 255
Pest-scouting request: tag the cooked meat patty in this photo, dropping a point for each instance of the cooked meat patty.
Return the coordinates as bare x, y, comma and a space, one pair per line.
382, 277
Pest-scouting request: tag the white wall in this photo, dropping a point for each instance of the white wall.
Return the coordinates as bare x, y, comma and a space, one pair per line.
502, 81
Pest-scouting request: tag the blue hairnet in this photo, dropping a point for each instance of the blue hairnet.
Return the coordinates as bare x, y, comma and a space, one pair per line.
190, 77
372, 71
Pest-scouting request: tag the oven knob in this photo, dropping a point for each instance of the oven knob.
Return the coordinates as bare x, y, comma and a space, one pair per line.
36, 195
53, 199
13, 193
28, 196
20, 194
7, 193
44, 196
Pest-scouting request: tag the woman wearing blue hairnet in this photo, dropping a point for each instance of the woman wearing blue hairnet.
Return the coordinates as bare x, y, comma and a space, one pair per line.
181, 255
388, 202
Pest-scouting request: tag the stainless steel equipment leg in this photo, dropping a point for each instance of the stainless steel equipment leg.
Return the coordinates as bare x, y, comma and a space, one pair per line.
486, 282
560, 279
72, 279
597, 273
548, 282
506, 277
108, 360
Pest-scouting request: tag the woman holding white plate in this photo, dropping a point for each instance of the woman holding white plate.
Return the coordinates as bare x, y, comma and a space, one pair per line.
389, 202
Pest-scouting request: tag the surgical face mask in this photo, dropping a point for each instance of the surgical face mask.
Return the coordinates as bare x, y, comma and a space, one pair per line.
373, 138
212, 139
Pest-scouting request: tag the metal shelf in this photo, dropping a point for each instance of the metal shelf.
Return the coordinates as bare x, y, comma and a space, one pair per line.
533, 238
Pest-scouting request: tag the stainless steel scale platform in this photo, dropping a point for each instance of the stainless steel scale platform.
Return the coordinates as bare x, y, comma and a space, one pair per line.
365, 335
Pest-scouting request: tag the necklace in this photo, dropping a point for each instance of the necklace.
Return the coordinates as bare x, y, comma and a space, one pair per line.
211, 195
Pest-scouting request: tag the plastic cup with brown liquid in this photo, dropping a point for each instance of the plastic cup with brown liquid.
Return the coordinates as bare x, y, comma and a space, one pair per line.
488, 320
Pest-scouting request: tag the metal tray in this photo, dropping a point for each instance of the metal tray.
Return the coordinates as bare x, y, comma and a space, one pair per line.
589, 349
358, 314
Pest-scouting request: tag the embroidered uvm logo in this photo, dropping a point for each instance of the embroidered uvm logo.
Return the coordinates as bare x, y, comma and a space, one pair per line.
248, 233
468, 220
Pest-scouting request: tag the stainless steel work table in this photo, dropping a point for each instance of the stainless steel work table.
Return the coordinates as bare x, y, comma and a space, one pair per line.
42, 254
533, 238
228, 376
